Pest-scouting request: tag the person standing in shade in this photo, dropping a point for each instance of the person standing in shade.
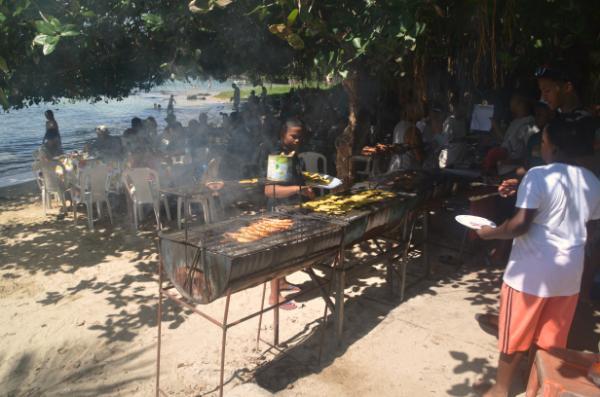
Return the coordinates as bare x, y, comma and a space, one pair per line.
263, 95
51, 127
236, 97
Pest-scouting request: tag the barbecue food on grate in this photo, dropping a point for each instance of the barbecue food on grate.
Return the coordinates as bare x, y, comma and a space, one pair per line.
259, 229
341, 204
316, 178
248, 181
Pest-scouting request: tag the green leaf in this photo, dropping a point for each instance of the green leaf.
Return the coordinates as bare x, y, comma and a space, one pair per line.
200, 6
49, 48
44, 27
292, 17
55, 22
3, 65
2, 17
3, 99
40, 39
356, 42
69, 33
223, 3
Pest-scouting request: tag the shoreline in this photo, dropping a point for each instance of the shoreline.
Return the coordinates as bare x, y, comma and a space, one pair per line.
18, 190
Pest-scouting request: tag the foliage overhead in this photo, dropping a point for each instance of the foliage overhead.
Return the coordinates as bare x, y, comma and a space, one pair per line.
94, 49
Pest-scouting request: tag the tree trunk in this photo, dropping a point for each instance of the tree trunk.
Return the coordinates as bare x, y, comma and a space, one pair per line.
345, 142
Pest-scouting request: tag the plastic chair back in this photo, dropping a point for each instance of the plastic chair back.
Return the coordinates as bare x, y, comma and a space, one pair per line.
95, 180
138, 182
314, 162
52, 181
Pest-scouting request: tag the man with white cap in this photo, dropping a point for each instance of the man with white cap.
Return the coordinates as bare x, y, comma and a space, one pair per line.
105, 145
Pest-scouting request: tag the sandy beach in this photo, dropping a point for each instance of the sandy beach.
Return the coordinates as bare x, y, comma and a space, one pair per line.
78, 318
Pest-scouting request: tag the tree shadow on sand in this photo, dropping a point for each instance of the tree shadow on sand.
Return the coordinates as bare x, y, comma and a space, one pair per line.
68, 372
50, 246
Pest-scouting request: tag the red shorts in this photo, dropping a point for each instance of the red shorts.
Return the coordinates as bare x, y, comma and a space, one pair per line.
491, 159
528, 319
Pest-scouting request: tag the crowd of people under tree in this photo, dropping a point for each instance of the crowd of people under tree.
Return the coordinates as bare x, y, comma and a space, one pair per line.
550, 208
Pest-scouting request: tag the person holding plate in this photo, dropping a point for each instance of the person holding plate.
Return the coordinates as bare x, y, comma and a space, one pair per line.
556, 203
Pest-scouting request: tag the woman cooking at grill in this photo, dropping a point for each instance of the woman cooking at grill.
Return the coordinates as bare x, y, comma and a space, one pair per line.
290, 138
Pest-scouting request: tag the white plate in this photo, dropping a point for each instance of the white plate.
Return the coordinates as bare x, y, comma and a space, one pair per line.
335, 182
474, 222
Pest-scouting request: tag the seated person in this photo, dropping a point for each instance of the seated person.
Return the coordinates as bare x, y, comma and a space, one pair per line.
105, 146
173, 142
454, 149
291, 136
513, 149
542, 115
407, 146
434, 138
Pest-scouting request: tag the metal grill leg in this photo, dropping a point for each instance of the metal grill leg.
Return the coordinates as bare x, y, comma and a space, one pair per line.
324, 327
223, 342
260, 316
339, 303
276, 314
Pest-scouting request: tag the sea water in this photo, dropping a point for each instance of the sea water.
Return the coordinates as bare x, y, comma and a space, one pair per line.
22, 131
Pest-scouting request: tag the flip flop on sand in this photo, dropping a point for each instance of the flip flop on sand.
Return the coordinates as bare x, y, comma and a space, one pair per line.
287, 287
288, 306
488, 322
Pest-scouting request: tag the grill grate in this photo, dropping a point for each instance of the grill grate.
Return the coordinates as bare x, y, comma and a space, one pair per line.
211, 237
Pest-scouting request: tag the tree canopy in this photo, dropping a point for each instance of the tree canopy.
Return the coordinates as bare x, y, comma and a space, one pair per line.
105, 49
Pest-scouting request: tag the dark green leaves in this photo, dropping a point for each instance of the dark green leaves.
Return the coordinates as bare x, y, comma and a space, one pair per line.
153, 22
3, 65
50, 31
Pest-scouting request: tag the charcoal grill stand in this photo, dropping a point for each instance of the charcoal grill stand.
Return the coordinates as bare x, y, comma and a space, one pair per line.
225, 325
340, 269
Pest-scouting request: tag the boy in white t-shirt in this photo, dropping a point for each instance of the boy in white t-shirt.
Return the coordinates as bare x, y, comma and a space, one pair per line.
541, 285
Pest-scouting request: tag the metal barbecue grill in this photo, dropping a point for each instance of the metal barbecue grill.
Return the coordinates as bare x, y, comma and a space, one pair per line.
206, 264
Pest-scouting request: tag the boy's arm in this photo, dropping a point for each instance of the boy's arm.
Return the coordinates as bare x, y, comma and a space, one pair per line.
277, 191
514, 227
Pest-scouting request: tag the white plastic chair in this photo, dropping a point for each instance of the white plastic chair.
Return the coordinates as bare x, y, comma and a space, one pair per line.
93, 188
314, 162
142, 186
51, 185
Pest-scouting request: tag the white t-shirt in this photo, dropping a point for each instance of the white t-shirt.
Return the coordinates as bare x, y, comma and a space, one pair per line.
548, 259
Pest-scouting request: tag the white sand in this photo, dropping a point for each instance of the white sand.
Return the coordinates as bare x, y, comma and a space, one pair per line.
78, 318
